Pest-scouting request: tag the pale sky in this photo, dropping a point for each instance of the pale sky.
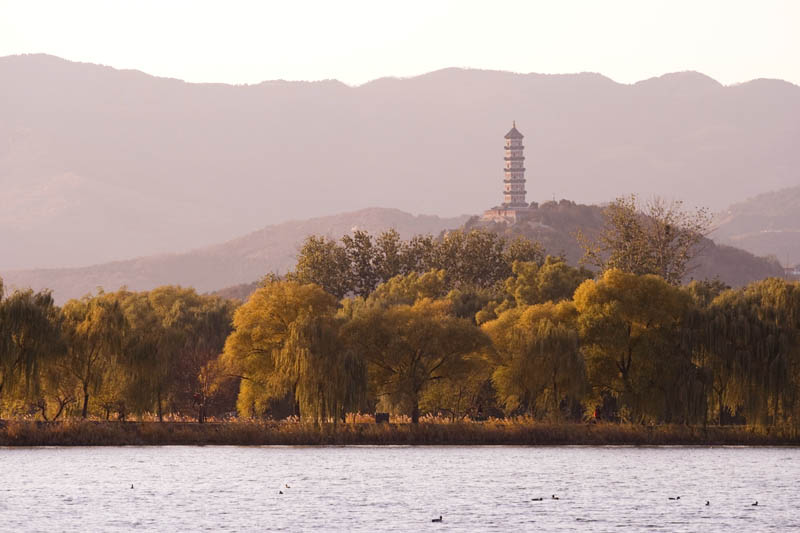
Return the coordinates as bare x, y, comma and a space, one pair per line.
357, 41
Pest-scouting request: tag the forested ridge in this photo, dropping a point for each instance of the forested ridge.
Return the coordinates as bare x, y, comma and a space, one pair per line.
469, 325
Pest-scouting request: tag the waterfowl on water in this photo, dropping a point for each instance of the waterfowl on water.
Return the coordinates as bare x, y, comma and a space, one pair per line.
536, 499
287, 486
131, 485
708, 503
677, 498
440, 519
280, 492
553, 497
754, 503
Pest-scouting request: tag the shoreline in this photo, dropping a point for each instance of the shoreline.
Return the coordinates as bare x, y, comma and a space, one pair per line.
22, 433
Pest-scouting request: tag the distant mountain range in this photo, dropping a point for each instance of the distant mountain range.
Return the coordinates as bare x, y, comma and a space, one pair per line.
232, 268
239, 261
768, 224
98, 164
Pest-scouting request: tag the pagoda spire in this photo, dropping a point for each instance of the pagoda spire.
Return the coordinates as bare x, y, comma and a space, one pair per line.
514, 169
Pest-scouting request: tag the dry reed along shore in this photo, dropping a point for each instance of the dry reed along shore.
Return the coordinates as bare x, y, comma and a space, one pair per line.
428, 432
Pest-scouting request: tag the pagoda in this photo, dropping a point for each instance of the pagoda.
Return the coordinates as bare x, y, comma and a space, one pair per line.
514, 205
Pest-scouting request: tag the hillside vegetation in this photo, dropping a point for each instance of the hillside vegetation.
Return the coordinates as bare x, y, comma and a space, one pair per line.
556, 224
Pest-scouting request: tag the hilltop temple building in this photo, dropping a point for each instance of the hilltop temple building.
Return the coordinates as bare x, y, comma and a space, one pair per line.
514, 206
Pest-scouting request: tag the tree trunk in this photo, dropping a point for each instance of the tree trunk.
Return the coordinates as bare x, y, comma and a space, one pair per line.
415, 412
775, 409
61, 405
160, 409
719, 422
85, 411
556, 410
43, 408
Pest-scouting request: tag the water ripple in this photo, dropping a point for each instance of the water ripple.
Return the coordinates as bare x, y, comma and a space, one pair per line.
399, 488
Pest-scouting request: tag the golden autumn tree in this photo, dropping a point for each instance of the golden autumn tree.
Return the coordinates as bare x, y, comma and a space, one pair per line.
286, 341
628, 324
409, 347
538, 363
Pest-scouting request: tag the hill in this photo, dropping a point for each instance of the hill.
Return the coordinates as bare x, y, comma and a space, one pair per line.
555, 225
231, 269
768, 224
239, 261
98, 164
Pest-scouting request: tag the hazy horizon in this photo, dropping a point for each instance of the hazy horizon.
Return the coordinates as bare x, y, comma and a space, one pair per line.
405, 77
358, 41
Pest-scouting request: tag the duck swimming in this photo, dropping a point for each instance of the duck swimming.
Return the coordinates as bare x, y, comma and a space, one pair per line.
438, 519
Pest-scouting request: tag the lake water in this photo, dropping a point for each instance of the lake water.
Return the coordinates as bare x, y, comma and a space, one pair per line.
399, 489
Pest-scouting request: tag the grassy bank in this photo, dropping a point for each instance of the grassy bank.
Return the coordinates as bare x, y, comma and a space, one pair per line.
509, 432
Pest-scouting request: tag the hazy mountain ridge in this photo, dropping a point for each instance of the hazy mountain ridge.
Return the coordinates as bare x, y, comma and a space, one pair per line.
239, 261
768, 224
99, 164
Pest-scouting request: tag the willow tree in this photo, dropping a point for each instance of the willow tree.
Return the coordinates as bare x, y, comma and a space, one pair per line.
262, 328
756, 349
93, 329
146, 355
628, 324
29, 340
330, 378
195, 329
408, 347
537, 357
465, 393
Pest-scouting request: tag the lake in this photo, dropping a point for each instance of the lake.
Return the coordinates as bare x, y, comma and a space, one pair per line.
225, 488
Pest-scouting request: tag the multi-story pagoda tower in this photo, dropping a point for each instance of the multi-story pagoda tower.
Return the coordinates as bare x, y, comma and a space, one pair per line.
514, 191
514, 206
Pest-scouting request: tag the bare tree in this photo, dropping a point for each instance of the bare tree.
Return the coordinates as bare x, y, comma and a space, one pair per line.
658, 238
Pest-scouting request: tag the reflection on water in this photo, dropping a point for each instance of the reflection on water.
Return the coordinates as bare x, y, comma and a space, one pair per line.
399, 489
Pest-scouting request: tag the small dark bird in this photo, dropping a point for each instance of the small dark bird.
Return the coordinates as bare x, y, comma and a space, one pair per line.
438, 519
280, 492
708, 503
287, 486
131, 485
671, 498
553, 497
536, 499
754, 503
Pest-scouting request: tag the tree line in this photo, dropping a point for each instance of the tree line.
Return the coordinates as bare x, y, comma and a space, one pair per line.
110, 354
464, 325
